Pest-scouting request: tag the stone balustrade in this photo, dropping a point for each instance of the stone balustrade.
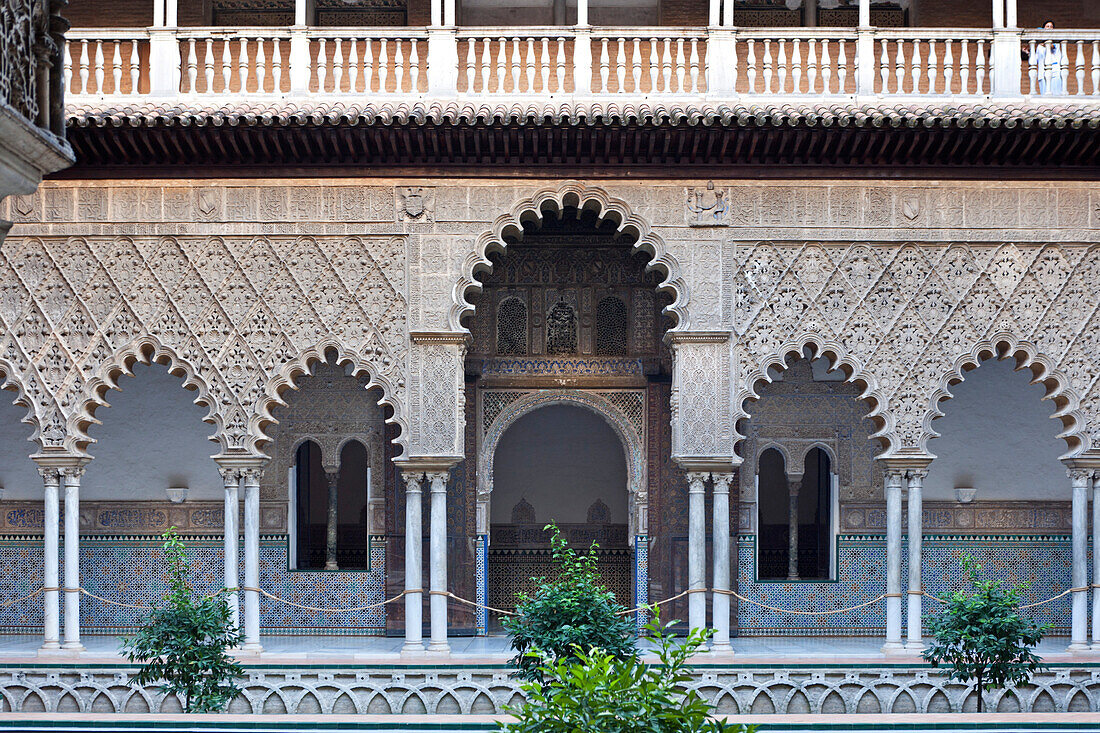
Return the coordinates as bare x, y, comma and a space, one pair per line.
716, 63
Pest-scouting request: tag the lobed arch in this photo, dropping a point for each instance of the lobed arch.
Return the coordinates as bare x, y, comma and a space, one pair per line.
288, 376
839, 359
633, 446
571, 194
1004, 345
12, 381
145, 350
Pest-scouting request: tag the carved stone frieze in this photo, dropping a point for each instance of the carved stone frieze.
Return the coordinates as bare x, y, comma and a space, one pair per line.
125, 517
701, 425
983, 517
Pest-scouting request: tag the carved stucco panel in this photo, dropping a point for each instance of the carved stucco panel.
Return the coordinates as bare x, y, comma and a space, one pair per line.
437, 395
904, 319
701, 422
235, 316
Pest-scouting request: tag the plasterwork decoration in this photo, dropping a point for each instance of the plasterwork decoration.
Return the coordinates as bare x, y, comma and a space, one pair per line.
700, 395
905, 321
620, 408
239, 319
984, 516
331, 409
707, 206
509, 227
122, 516
438, 395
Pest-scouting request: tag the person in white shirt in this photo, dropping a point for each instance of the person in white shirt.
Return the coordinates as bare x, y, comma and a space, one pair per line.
1050, 60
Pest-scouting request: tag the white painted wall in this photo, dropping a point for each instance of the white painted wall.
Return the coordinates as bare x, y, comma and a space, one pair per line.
997, 436
561, 458
152, 437
18, 474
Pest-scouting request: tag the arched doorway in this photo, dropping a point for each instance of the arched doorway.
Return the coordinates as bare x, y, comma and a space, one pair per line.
569, 316
564, 464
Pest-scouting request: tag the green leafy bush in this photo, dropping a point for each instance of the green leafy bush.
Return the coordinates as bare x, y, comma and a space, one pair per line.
184, 645
569, 614
598, 692
980, 635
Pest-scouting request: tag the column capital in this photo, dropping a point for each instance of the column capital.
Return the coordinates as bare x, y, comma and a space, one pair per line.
333, 476
230, 475
412, 480
438, 480
697, 482
252, 475
49, 475
722, 482
72, 474
904, 464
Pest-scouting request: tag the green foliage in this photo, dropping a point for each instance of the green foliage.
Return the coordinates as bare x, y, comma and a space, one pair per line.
569, 614
184, 645
598, 692
981, 636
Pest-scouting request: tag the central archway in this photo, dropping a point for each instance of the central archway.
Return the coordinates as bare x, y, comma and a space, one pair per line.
563, 463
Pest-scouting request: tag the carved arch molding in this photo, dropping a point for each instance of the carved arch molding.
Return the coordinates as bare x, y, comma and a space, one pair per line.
623, 409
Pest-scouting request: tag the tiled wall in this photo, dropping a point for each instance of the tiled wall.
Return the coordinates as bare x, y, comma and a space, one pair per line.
1042, 561
132, 570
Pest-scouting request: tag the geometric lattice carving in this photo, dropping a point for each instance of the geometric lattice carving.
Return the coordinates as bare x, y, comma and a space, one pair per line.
611, 327
236, 317
512, 327
523, 513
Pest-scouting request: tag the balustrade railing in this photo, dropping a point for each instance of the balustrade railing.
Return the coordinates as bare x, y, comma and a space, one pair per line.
107, 61
1066, 63
494, 61
367, 61
637, 62
648, 61
933, 61
243, 60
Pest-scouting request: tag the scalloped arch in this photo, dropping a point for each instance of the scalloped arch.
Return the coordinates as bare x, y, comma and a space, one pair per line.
287, 378
838, 357
1004, 345
10, 381
144, 350
585, 198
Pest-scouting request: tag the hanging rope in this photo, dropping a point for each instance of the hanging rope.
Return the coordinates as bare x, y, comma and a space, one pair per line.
740, 597
319, 609
5, 604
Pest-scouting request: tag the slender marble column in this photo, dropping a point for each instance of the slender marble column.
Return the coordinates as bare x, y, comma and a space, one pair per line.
914, 638
893, 561
71, 476
251, 479
333, 478
51, 562
721, 543
414, 591
1080, 480
697, 559
794, 485
437, 562
1096, 561
231, 541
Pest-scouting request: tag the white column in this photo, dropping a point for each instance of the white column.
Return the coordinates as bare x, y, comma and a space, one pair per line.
914, 639
303, 9
1080, 479
715, 13
158, 13
1096, 561
697, 561
51, 631
998, 13
794, 486
893, 561
1011, 16
231, 541
171, 14
71, 477
864, 13
448, 12
414, 592
437, 13
437, 562
727, 13
251, 480
721, 545
865, 51
582, 13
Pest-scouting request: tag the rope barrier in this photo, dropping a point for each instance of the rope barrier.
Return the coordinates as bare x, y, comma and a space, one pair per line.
5, 604
800, 613
475, 604
318, 609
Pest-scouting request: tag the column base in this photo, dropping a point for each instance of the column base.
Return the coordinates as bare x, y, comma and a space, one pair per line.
413, 649
893, 647
250, 648
1079, 648
72, 646
914, 647
723, 647
439, 648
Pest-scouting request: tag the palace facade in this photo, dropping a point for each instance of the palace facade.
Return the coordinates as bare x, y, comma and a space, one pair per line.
788, 306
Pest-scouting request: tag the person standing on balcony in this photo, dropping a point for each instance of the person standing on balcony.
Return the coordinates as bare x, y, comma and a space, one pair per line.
1050, 59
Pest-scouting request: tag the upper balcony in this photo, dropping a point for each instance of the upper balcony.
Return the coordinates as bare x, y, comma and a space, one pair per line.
825, 50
